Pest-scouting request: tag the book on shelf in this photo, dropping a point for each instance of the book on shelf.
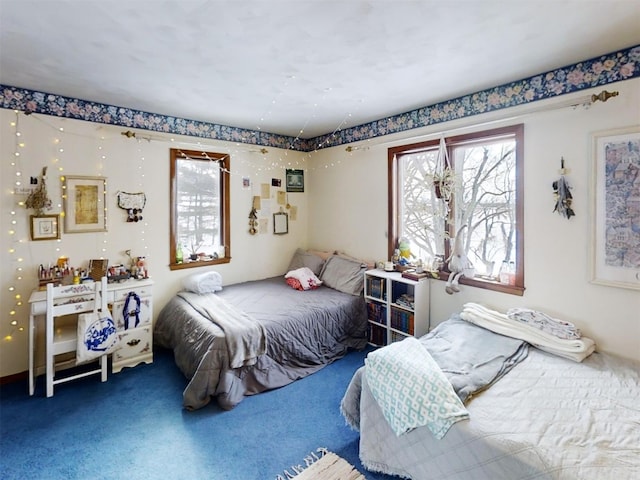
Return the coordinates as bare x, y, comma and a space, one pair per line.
376, 287
402, 321
377, 313
413, 275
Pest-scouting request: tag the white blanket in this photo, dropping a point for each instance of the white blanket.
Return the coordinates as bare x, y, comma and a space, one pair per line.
201, 283
575, 349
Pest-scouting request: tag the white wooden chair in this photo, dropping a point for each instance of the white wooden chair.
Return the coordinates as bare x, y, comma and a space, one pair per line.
67, 300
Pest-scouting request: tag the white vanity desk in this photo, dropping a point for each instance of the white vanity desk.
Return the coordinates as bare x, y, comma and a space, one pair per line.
130, 303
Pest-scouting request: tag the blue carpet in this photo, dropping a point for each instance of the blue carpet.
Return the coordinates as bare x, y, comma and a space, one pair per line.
134, 427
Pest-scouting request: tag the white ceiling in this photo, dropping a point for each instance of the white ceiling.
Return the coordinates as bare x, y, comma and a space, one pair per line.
298, 68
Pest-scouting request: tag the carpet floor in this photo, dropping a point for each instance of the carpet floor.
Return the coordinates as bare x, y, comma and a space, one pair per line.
134, 427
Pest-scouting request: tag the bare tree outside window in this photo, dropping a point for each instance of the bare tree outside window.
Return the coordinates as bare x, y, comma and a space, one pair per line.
487, 198
486, 203
199, 201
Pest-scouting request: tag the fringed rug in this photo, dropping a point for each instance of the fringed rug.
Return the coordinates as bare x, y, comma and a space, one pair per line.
322, 465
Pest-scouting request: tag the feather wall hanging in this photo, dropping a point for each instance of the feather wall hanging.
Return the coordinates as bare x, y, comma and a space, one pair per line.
562, 192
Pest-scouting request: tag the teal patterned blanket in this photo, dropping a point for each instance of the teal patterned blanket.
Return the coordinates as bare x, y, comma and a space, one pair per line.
411, 389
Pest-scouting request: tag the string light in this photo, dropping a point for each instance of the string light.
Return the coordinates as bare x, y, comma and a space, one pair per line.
14, 242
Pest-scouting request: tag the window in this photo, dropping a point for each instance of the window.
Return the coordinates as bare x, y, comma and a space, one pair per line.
486, 197
200, 221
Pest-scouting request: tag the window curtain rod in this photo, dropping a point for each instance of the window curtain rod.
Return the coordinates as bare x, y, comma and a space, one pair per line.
584, 101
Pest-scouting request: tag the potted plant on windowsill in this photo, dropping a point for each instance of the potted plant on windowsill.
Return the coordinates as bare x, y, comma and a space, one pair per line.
443, 183
194, 249
443, 177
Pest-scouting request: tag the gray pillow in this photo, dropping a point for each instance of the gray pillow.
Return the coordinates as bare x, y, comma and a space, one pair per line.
302, 258
343, 274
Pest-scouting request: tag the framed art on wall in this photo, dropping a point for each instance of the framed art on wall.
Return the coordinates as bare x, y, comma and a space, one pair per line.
84, 204
45, 227
615, 239
295, 180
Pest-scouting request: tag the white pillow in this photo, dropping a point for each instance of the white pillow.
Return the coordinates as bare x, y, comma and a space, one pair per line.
306, 278
201, 283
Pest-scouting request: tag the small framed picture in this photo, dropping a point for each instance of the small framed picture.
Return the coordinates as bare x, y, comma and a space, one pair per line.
295, 180
45, 227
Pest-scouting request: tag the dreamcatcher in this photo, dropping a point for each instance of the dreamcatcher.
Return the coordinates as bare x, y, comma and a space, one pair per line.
133, 203
563, 195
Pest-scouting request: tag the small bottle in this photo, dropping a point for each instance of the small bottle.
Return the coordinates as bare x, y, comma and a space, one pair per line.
76, 277
179, 255
504, 272
512, 273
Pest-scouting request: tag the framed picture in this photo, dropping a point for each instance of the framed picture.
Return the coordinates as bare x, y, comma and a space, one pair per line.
280, 223
98, 268
295, 180
45, 227
615, 242
84, 204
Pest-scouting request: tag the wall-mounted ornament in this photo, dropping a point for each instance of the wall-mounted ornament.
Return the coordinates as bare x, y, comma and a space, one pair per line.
39, 199
133, 203
253, 221
562, 192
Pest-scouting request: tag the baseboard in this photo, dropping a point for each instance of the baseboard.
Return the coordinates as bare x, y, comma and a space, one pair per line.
16, 377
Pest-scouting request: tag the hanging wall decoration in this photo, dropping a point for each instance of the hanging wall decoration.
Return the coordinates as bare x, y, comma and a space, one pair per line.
133, 203
253, 221
562, 193
39, 199
443, 175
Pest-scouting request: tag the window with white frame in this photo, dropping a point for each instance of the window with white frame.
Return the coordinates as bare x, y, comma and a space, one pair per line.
482, 191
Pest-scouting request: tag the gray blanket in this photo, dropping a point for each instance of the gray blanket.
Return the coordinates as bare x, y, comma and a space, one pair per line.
244, 336
304, 331
472, 358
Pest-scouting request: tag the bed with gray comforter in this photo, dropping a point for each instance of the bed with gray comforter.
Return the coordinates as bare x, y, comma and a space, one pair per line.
255, 336
546, 418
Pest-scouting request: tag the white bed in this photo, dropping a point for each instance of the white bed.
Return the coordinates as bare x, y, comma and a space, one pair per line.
548, 418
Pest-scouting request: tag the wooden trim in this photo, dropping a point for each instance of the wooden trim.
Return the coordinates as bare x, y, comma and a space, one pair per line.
517, 131
14, 378
225, 195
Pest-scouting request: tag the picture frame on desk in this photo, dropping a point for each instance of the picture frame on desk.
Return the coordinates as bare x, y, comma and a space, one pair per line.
84, 204
44, 227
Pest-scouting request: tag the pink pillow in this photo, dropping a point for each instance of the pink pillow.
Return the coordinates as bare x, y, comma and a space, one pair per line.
294, 283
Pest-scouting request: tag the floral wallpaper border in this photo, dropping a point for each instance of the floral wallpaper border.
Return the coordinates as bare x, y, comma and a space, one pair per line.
609, 68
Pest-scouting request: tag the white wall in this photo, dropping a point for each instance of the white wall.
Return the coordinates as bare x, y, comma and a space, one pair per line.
344, 207
131, 166
348, 208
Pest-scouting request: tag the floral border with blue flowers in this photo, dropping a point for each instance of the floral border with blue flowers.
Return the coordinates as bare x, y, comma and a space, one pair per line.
609, 68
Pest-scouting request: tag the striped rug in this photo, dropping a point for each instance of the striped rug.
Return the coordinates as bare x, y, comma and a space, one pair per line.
323, 465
